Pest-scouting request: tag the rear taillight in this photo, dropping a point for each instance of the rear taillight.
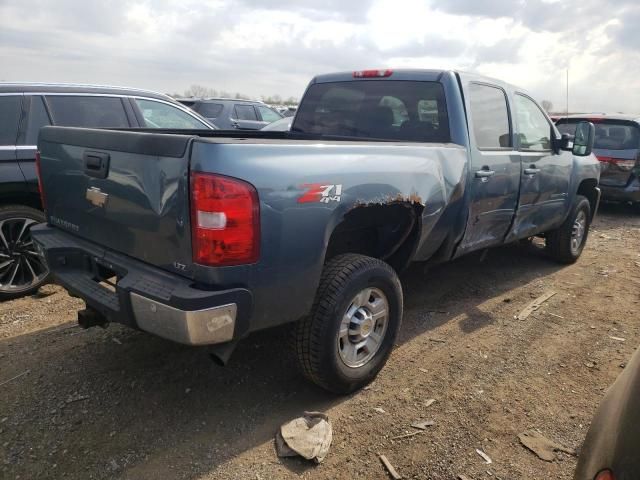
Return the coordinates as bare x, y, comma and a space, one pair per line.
623, 163
605, 475
373, 73
39, 174
225, 220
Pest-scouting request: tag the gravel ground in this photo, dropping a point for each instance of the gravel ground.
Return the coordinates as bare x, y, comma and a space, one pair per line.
116, 403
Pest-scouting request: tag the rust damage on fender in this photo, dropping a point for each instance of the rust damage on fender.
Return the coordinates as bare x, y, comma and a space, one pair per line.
399, 198
383, 227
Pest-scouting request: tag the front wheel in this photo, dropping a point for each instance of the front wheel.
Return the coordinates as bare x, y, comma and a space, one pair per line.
566, 243
22, 270
349, 334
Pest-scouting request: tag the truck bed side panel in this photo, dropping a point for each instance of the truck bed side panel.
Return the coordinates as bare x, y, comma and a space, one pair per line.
295, 234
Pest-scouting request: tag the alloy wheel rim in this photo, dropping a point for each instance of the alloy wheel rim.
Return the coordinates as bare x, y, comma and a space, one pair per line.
363, 327
578, 231
21, 267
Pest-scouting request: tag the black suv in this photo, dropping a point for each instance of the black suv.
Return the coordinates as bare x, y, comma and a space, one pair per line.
24, 108
229, 114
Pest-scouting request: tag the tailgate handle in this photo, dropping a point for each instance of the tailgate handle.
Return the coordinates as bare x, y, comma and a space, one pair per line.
96, 164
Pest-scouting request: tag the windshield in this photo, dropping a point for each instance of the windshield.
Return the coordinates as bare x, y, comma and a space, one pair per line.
384, 109
609, 136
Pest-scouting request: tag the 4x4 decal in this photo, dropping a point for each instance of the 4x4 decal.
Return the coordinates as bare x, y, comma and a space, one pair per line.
318, 192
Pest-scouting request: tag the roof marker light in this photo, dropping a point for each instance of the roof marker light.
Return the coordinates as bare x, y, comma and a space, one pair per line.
373, 73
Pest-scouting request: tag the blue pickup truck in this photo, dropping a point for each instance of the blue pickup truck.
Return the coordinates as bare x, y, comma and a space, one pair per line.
205, 237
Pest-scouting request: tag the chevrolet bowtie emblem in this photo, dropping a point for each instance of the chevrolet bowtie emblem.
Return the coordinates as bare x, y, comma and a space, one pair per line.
96, 197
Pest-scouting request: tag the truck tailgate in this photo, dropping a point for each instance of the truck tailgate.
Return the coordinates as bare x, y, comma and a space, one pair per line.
127, 191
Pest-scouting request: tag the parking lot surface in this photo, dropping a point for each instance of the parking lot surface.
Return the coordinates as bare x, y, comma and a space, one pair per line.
117, 403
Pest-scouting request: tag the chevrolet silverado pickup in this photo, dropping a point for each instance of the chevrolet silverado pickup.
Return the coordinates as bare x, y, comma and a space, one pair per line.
205, 237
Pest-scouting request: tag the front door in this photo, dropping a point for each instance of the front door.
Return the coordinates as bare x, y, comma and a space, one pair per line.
495, 167
545, 172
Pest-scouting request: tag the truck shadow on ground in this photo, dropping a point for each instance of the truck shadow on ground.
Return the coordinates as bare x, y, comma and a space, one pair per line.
119, 403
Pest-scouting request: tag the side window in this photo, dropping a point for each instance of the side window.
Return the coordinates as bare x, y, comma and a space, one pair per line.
162, 115
209, 110
534, 131
9, 116
87, 111
490, 117
38, 118
245, 112
268, 115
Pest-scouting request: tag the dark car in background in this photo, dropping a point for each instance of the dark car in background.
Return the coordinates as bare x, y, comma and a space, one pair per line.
230, 114
617, 146
24, 109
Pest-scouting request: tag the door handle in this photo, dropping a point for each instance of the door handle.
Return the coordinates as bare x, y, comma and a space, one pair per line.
485, 173
235, 124
532, 170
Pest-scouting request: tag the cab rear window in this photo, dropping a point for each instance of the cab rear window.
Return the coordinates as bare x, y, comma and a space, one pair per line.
383, 110
610, 135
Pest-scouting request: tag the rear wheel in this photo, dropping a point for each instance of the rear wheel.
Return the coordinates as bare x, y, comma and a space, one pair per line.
22, 270
566, 243
346, 340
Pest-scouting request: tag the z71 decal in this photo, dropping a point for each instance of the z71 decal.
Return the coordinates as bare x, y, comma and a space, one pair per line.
317, 192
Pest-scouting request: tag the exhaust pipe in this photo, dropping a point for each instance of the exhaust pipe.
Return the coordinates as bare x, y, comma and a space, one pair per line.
220, 353
89, 317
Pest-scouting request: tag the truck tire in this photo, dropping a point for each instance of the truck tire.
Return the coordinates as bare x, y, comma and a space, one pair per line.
566, 243
348, 336
22, 270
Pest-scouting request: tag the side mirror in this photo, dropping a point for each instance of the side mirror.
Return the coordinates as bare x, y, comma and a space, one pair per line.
584, 138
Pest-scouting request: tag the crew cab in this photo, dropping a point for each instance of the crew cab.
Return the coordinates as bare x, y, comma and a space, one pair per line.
205, 237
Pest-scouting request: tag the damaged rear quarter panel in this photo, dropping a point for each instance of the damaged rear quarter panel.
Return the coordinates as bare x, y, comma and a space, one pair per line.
294, 235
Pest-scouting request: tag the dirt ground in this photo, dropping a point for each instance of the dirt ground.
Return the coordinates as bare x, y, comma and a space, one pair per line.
117, 403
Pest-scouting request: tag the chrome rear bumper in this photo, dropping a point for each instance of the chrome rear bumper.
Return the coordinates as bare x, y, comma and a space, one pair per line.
199, 327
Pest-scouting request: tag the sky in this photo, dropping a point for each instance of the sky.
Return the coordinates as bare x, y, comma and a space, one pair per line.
266, 47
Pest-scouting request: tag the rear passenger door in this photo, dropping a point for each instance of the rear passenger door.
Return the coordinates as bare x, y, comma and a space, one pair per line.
34, 117
245, 117
10, 112
544, 193
495, 166
11, 178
